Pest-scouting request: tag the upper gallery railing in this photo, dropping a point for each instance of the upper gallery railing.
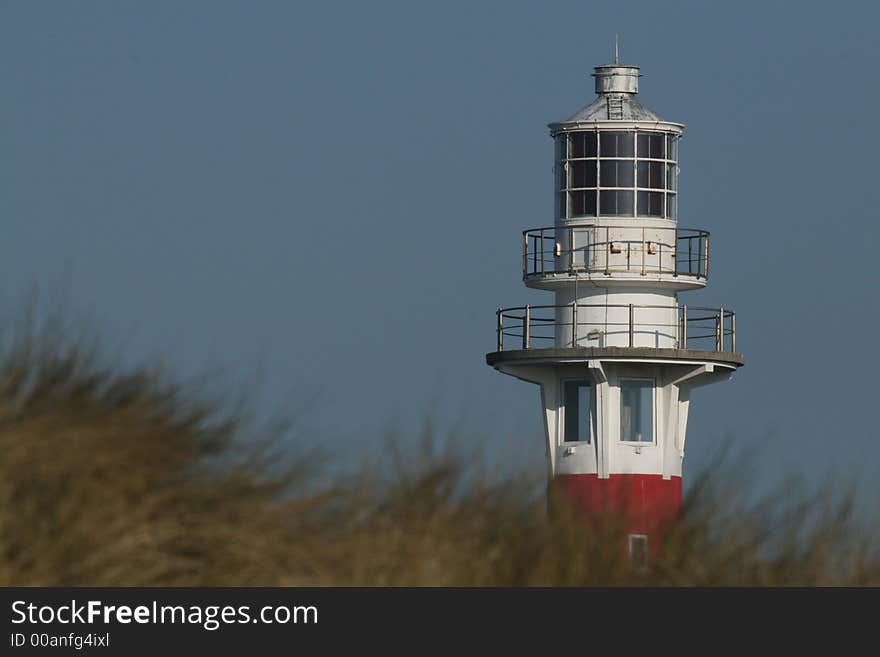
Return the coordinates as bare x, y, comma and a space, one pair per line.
589, 248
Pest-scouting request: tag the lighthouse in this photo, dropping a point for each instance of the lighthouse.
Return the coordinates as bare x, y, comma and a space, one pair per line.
615, 351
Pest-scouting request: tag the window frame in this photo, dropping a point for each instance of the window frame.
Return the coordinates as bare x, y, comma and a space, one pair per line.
591, 412
638, 443
639, 555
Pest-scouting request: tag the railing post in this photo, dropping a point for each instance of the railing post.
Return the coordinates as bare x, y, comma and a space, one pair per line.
574, 322
607, 253
537, 244
675, 254
706, 275
500, 330
542, 252
631, 325
525, 254
733, 332
678, 328
691, 254
684, 327
588, 246
719, 342
526, 327
644, 251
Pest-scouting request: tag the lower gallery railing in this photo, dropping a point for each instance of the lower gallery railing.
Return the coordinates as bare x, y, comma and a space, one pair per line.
586, 325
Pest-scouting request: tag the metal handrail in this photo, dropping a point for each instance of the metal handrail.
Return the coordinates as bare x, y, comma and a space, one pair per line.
707, 328
686, 251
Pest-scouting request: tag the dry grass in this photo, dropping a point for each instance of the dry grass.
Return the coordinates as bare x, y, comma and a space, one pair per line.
125, 479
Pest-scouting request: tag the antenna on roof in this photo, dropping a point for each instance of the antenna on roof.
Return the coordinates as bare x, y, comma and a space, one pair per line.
617, 49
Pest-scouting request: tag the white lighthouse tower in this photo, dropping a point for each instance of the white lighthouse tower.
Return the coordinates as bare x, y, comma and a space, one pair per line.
615, 352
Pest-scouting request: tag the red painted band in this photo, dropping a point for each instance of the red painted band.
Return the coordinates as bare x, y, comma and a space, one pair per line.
645, 501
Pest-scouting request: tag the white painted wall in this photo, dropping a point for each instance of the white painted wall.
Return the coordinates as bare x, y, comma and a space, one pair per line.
605, 454
640, 245
605, 320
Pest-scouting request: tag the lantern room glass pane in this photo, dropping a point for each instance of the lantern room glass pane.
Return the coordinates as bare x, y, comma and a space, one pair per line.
616, 202
650, 204
583, 173
583, 204
671, 177
650, 174
561, 182
616, 144
671, 147
583, 144
616, 173
561, 147
560, 204
637, 410
578, 404
671, 206
651, 145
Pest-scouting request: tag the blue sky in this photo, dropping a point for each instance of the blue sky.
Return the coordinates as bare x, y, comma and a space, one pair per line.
324, 200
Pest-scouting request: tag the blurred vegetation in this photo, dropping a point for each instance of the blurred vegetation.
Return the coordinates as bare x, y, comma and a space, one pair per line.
122, 478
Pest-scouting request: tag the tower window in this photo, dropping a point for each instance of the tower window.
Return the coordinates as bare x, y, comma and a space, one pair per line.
638, 550
637, 410
578, 400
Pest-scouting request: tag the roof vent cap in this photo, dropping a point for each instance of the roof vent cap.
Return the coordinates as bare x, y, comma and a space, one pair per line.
616, 79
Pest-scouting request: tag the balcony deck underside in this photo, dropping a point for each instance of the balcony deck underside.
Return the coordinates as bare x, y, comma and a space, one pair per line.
555, 281
574, 354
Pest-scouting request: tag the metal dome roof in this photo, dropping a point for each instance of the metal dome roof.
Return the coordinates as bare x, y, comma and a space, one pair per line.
616, 86
614, 107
